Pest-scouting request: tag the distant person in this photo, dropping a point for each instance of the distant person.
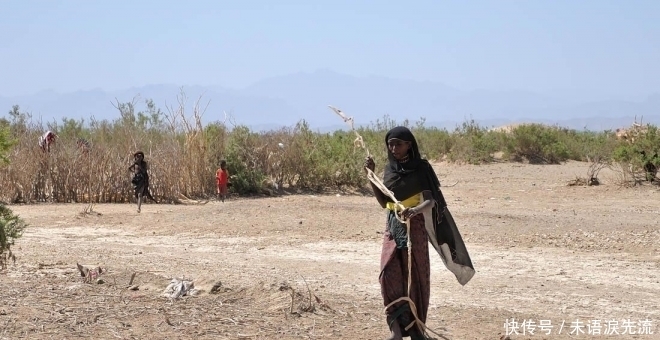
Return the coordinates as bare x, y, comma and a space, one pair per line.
46, 140
140, 178
222, 180
414, 182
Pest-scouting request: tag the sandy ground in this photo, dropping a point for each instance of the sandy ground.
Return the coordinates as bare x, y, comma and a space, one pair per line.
543, 251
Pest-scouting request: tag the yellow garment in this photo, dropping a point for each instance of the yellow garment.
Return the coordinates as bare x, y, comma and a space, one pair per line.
409, 202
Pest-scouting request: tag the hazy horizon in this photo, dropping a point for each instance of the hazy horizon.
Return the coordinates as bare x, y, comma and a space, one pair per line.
559, 93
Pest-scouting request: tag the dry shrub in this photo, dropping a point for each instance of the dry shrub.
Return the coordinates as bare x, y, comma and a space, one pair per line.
595, 166
625, 174
183, 153
175, 146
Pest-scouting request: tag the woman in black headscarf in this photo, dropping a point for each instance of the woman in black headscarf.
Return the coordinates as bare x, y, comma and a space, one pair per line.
140, 179
415, 184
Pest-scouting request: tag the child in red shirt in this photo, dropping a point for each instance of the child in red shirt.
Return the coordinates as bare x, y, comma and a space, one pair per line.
222, 180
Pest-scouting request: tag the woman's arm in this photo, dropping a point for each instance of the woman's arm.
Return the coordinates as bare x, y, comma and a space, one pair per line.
426, 205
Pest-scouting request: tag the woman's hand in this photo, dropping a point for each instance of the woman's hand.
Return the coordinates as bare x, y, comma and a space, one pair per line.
369, 164
408, 213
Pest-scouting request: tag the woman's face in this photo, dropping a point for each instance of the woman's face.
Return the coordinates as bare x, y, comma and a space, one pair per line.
399, 148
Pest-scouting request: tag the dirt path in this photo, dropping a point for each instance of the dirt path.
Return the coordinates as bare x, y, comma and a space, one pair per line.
542, 250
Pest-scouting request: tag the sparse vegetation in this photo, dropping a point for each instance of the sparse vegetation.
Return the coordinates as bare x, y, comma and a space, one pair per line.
11, 226
184, 153
639, 157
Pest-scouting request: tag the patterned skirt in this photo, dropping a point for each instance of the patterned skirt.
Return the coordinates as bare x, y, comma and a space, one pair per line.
394, 273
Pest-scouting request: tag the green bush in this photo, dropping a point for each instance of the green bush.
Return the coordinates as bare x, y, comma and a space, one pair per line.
590, 146
6, 142
245, 161
538, 144
643, 154
11, 228
474, 144
436, 142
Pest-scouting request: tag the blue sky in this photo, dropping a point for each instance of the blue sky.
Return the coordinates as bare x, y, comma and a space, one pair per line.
596, 48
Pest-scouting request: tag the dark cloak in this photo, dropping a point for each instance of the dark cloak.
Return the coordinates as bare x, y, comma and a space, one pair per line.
414, 176
140, 179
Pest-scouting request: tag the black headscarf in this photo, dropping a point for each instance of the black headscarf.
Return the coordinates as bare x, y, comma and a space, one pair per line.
417, 175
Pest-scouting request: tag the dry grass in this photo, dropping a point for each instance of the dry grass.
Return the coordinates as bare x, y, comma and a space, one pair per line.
62, 301
183, 154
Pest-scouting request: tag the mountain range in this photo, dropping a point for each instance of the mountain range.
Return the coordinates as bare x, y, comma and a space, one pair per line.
285, 100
